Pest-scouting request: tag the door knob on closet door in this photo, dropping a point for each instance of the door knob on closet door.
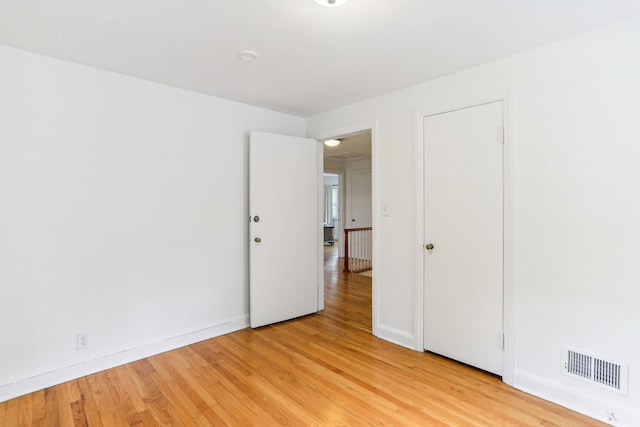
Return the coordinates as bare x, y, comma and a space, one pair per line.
258, 240
429, 246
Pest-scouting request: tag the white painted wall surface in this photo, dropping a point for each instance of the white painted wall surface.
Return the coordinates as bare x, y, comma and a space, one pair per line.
333, 165
123, 214
355, 167
576, 204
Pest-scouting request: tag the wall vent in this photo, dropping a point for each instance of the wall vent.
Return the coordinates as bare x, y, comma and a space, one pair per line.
597, 371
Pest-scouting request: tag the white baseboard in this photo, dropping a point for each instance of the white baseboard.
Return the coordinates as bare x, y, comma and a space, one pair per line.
396, 336
576, 399
43, 380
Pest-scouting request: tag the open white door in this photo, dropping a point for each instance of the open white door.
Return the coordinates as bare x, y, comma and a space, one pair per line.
464, 235
285, 227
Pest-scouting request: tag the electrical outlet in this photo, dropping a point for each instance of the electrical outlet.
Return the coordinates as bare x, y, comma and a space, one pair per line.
83, 341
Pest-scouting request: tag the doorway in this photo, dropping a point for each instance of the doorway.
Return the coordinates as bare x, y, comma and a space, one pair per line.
335, 161
332, 207
463, 235
351, 161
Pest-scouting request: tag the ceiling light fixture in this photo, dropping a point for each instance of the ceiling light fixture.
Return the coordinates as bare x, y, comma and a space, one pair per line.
247, 55
332, 142
331, 3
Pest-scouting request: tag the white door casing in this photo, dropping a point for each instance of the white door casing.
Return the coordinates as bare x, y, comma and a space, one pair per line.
463, 220
285, 232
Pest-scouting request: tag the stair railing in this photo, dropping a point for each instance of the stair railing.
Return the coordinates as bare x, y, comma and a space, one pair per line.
358, 244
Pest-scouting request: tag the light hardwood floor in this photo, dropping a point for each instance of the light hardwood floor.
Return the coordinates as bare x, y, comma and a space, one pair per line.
325, 369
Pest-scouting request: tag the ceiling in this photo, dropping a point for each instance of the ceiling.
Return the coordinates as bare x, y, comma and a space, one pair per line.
352, 147
311, 58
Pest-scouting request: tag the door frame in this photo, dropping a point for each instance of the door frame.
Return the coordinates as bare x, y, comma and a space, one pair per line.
346, 131
320, 240
508, 100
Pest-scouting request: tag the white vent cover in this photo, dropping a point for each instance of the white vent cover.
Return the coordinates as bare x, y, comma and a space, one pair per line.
595, 370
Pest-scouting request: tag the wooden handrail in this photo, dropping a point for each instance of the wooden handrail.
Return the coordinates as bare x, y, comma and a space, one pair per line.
347, 230
346, 247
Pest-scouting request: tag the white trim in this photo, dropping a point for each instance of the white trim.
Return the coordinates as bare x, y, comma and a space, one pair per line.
375, 259
396, 336
41, 380
419, 231
508, 164
375, 170
575, 398
507, 98
319, 221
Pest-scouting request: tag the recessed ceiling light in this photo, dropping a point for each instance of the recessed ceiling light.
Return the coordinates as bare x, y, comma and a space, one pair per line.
331, 3
247, 55
332, 142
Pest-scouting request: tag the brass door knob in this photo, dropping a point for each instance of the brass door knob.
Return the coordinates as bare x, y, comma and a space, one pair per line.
258, 240
429, 246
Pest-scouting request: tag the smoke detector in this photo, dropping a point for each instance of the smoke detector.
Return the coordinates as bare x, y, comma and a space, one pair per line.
248, 55
331, 3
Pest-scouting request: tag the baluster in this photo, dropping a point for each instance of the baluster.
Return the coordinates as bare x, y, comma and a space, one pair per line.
346, 250
368, 254
358, 249
370, 248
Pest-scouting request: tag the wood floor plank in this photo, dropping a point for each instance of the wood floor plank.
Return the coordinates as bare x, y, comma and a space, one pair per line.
143, 419
86, 405
399, 389
277, 372
38, 407
113, 401
52, 411
241, 381
155, 401
12, 415
132, 389
26, 411
262, 386
324, 369
197, 389
64, 405
78, 414
168, 381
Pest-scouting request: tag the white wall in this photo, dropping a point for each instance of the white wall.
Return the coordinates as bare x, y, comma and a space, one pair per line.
123, 214
333, 165
576, 204
355, 192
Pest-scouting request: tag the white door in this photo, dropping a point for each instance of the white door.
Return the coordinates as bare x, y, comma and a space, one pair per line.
464, 223
285, 227
359, 195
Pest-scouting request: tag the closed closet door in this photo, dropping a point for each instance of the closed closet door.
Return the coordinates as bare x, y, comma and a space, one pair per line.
463, 298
